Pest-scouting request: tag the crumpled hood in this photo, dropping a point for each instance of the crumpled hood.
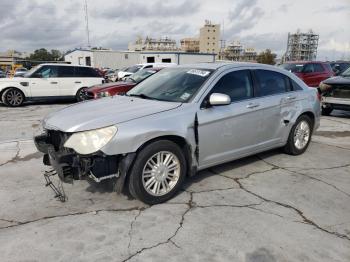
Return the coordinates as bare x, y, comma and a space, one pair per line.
104, 112
337, 80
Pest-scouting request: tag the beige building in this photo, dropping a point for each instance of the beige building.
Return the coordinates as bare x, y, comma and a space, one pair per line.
190, 44
11, 58
235, 51
209, 37
152, 44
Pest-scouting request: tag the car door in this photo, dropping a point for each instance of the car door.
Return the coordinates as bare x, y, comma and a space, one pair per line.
44, 82
67, 81
277, 106
227, 132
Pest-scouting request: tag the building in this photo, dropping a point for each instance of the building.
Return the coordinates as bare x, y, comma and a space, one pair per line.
11, 58
236, 52
209, 37
301, 46
190, 44
120, 59
152, 44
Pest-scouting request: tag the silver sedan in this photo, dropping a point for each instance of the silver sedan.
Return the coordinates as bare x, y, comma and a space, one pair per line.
177, 122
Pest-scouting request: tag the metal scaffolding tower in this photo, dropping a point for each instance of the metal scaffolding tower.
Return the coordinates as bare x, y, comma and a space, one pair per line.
301, 46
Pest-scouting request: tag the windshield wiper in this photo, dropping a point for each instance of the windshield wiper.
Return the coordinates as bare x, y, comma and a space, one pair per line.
143, 96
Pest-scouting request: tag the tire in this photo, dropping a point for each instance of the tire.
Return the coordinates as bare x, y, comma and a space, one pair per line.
298, 143
326, 111
13, 97
152, 183
80, 96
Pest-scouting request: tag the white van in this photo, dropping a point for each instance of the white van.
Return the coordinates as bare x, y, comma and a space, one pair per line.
133, 69
49, 81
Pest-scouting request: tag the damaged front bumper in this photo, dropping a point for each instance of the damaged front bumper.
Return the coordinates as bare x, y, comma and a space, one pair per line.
72, 166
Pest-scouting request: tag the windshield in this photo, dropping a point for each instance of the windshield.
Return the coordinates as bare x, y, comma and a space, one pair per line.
140, 76
172, 84
31, 71
133, 69
294, 68
346, 73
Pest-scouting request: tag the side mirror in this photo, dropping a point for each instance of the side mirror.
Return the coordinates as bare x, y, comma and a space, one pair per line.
217, 99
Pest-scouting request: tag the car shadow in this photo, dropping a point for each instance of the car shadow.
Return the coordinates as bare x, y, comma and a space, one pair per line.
340, 114
51, 102
229, 166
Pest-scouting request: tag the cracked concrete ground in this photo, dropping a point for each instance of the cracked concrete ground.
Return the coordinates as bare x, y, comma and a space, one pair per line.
268, 207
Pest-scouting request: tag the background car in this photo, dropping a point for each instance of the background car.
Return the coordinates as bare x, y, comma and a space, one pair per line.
339, 67
2, 74
120, 87
312, 73
20, 72
336, 93
47, 82
133, 69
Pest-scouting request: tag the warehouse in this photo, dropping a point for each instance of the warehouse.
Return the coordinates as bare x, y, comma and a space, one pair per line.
119, 59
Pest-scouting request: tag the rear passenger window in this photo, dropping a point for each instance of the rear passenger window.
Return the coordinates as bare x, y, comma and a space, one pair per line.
237, 85
85, 72
66, 71
271, 82
318, 68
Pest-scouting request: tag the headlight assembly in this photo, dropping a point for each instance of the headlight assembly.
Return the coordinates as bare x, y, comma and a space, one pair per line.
88, 142
103, 94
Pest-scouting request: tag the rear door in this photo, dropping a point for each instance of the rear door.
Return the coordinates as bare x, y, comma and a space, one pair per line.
278, 105
314, 73
66, 86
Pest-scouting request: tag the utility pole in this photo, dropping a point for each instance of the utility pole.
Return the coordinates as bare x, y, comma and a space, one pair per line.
87, 22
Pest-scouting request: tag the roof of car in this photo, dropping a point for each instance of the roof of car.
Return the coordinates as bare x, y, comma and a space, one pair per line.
62, 64
218, 65
305, 62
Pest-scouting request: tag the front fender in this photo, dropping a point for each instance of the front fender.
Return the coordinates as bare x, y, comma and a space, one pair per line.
24, 89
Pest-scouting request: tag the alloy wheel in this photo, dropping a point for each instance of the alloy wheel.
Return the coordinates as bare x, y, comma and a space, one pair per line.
161, 173
14, 97
301, 135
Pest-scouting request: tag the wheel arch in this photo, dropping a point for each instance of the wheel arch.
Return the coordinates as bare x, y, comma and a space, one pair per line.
311, 115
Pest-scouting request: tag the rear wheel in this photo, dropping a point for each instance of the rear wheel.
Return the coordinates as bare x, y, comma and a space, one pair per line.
13, 97
80, 96
158, 172
300, 136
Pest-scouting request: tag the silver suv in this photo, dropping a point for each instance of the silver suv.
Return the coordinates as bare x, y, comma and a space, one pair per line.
177, 122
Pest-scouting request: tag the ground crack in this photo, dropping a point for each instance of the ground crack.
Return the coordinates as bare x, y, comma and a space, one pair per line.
21, 223
15, 158
190, 205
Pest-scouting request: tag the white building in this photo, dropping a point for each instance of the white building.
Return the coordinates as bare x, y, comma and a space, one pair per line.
120, 59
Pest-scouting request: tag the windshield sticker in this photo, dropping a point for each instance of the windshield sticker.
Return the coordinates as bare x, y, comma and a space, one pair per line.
185, 96
197, 72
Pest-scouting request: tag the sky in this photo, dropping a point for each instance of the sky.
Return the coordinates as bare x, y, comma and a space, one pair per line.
26, 25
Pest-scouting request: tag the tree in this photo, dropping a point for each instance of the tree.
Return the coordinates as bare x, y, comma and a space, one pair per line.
266, 57
43, 55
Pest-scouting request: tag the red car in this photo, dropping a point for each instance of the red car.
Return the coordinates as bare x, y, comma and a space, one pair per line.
120, 87
312, 72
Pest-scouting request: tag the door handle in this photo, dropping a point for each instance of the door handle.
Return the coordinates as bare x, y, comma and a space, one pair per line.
77, 82
252, 105
291, 98
54, 83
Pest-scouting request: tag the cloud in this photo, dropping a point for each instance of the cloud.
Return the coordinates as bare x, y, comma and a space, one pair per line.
245, 15
147, 9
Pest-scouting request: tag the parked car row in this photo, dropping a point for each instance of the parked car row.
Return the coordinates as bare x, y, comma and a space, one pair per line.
177, 121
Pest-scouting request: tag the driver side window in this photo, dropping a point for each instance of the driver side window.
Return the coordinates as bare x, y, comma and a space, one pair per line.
237, 85
47, 72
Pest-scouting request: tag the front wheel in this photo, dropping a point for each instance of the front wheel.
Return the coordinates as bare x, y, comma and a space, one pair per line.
326, 111
300, 136
158, 172
13, 97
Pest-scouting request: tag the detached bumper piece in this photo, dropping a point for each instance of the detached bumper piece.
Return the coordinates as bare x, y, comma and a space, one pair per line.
71, 166
58, 190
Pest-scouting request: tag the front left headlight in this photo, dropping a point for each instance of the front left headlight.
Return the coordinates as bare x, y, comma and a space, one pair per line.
88, 142
103, 94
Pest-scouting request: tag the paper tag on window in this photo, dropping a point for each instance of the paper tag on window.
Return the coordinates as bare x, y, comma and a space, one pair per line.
198, 72
185, 96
